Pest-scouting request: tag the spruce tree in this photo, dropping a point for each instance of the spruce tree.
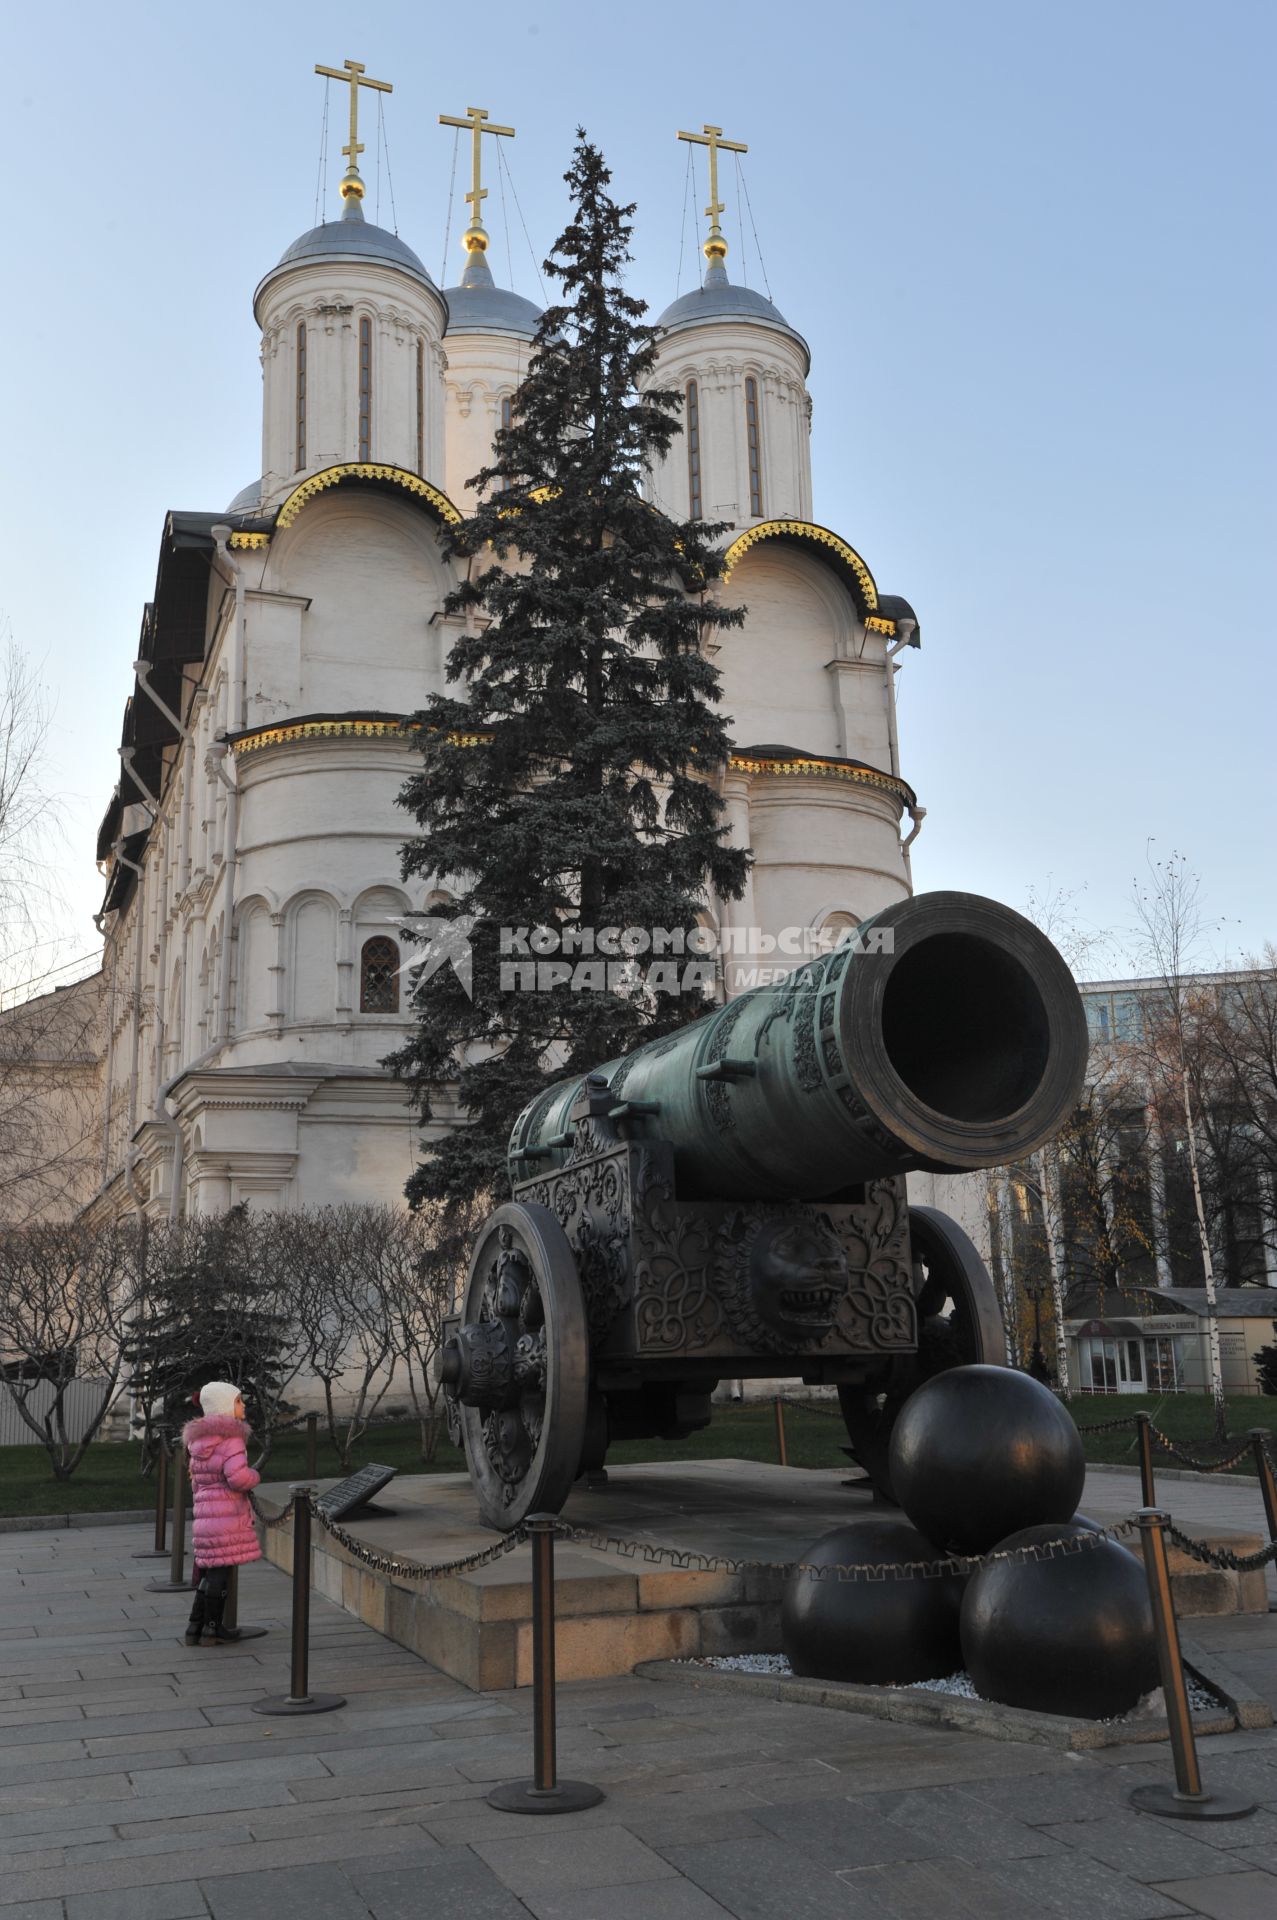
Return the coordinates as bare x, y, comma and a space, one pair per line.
208, 1313
569, 783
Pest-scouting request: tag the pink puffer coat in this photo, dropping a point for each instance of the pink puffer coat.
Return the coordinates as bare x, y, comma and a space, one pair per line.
222, 1534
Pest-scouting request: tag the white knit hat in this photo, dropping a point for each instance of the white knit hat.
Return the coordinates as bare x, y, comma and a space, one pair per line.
219, 1396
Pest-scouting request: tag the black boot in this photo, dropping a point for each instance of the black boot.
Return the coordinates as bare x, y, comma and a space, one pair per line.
199, 1615
216, 1631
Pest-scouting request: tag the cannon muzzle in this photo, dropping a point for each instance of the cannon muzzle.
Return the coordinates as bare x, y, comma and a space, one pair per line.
946, 1034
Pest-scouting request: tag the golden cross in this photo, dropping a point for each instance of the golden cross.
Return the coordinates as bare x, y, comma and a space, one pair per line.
475, 119
715, 246
353, 71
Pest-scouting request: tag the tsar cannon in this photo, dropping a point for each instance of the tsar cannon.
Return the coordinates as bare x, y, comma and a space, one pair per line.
729, 1201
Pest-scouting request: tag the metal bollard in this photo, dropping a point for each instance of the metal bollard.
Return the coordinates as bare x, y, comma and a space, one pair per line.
1148, 1490
782, 1451
1263, 1466
299, 1698
1187, 1799
177, 1581
230, 1613
312, 1446
159, 1551
545, 1792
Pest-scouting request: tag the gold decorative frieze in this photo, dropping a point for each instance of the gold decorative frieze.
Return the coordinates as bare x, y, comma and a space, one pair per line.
285, 735
876, 624
803, 530
249, 542
811, 768
289, 732
366, 470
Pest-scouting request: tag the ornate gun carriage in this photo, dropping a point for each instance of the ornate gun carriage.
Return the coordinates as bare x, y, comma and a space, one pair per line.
729, 1201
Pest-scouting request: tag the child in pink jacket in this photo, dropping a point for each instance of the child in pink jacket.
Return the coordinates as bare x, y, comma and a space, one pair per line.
223, 1535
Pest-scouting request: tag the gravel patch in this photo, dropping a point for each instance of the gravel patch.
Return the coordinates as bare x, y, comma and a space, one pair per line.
1151, 1707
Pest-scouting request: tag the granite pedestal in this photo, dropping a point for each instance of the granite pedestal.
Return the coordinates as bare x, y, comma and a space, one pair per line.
615, 1612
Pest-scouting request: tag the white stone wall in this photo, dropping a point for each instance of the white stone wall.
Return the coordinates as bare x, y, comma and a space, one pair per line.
331, 298
349, 615
803, 671
484, 369
719, 356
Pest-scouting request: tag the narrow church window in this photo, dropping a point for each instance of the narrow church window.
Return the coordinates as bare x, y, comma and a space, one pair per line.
365, 389
421, 408
693, 451
507, 420
755, 460
379, 976
301, 395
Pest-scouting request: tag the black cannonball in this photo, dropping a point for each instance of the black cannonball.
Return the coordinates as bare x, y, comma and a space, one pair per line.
979, 1452
1069, 1635
884, 1632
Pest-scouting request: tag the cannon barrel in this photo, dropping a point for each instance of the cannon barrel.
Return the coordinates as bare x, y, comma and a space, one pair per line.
946, 1035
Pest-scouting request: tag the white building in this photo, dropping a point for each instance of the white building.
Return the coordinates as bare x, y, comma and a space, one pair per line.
253, 900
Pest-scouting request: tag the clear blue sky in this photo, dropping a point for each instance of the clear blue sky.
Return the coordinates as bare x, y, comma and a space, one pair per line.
1030, 245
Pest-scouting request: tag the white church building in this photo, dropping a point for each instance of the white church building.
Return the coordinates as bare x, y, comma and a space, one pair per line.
251, 981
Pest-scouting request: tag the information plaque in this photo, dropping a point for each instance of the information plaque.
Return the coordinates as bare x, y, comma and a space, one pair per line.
353, 1495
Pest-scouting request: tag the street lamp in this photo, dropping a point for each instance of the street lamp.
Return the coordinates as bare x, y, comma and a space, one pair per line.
1036, 1289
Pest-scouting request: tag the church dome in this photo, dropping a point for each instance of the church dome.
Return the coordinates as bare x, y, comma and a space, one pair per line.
351, 240
479, 305
248, 499
718, 300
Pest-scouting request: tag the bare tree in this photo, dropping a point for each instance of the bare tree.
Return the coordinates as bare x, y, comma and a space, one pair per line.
428, 1275
49, 1036
1078, 1166
66, 1289
340, 1261
1240, 1036
1168, 908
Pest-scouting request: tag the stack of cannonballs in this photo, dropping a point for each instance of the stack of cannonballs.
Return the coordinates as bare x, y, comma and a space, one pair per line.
983, 1460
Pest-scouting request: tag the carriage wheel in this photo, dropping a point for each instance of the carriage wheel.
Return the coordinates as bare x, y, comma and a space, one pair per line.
519, 1367
959, 1325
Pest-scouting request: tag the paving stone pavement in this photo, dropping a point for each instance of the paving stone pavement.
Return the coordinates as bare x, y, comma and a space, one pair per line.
1225, 1500
136, 1784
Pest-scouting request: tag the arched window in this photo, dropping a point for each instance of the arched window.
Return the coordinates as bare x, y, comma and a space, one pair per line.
301, 394
693, 451
507, 421
755, 449
365, 388
421, 407
379, 975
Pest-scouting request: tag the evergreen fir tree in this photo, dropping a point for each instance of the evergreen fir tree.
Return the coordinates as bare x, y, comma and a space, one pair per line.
207, 1315
571, 784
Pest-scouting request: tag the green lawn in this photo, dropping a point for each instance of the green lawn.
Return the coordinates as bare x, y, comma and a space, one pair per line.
108, 1478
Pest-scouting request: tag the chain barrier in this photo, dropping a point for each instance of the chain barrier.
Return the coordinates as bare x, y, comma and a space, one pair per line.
942, 1568
1131, 1421
1188, 1460
1220, 1557
268, 1520
810, 1406
393, 1563
687, 1561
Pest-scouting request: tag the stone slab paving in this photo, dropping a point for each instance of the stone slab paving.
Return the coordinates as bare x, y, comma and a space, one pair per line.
136, 1783
1224, 1500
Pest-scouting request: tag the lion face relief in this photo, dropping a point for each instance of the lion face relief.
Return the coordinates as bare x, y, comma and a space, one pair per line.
782, 1280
